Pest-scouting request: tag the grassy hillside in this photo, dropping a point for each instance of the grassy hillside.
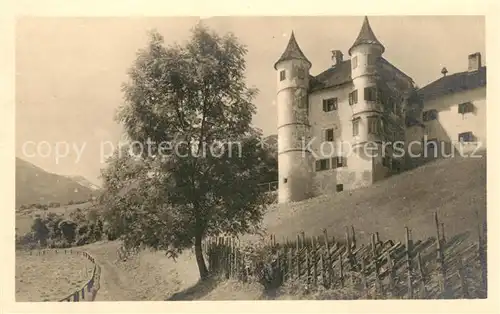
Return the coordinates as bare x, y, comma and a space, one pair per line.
35, 185
455, 188
24, 218
84, 181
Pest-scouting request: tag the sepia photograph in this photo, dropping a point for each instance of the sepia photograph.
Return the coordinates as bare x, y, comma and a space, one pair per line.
250, 158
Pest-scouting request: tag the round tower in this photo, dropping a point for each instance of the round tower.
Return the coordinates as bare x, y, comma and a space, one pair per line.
294, 161
367, 109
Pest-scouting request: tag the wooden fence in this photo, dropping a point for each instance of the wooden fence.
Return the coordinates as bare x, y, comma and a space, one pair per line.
89, 290
434, 268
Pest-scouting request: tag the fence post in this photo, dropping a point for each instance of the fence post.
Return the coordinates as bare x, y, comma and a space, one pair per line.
90, 284
408, 262
440, 260
326, 260
297, 262
308, 269
378, 285
363, 278
390, 265
443, 237
323, 270
314, 261
463, 280
423, 289
341, 262
353, 239
290, 262
482, 254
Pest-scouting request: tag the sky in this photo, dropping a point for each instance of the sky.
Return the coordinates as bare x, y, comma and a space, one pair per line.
69, 71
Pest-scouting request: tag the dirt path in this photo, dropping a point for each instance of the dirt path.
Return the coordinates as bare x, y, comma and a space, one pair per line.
150, 276
112, 281
112, 286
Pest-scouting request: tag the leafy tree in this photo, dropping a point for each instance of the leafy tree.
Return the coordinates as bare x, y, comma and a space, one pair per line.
190, 109
40, 231
68, 229
52, 222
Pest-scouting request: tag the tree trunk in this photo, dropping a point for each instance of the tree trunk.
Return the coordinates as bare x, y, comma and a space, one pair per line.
199, 258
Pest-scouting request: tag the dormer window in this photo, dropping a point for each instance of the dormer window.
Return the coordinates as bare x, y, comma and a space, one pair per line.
282, 75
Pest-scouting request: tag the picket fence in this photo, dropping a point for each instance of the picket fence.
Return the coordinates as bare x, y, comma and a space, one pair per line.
89, 290
430, 269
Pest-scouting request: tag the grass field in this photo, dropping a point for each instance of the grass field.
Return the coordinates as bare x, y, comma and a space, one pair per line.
50, 277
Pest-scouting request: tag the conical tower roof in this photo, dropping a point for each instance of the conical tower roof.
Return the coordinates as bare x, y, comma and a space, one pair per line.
366, 36
292, 51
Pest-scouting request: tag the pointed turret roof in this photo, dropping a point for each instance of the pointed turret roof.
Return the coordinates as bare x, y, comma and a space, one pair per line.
292, 51
366, 36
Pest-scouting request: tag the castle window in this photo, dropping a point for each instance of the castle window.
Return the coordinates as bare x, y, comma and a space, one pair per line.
301, 73
330, 104
355, 62
371, 59
339, 162
373, 125
329, 135
465, 137
340, 187
370, 93
282, 75
353, 97
355, 127
322, 164
429, 115
465, 107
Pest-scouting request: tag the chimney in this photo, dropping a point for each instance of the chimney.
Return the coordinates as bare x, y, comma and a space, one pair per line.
337, 57
474, 62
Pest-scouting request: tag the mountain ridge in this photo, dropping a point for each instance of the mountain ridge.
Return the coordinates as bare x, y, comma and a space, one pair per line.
36, 185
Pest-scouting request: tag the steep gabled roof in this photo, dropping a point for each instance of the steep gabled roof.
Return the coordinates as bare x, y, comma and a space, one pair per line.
341, 74
366, 36
334, 76
292, 51
454, 83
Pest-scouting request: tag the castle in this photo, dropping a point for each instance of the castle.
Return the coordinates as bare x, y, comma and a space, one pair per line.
338, 130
